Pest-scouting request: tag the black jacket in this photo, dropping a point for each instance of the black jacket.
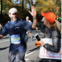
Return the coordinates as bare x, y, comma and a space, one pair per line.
56, 37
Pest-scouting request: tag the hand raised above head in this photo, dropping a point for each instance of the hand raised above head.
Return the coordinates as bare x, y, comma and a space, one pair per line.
33, 11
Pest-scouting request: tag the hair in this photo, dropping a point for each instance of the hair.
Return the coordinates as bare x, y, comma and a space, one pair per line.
57, 25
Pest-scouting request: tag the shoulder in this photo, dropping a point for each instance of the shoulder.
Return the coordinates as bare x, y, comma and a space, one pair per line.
55, 33
22, 21
7, 24
30, 21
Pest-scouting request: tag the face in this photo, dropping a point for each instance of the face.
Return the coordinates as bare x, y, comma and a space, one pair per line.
27, 18
0, 26
46, 23
13, 16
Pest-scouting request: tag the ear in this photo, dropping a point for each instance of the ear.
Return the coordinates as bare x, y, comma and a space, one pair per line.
9, 15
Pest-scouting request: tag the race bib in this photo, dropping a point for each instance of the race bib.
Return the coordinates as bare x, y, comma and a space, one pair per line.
15, 39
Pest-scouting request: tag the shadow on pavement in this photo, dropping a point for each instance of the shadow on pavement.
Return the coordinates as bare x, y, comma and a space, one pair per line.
33, 49
5, 37
4, 48
36, 60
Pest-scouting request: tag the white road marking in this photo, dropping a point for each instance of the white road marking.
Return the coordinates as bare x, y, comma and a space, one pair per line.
27, 59
29, 54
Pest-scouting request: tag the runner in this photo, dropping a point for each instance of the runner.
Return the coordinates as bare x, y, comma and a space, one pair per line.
17, 28
0, 28
29, 31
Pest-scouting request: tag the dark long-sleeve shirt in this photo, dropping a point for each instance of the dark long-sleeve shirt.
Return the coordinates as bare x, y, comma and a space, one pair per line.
56, 37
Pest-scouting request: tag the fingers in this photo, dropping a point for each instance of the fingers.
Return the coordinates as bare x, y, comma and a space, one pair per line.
41, 42
30, 12
37, 44
33, 9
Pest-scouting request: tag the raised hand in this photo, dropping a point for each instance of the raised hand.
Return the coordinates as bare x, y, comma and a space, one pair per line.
33, 11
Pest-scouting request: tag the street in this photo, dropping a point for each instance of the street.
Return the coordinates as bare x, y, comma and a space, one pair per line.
32, 53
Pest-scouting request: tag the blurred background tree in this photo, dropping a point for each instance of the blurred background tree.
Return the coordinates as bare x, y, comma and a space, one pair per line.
0, 6
49, 5
58, 3
24, 5
42, 6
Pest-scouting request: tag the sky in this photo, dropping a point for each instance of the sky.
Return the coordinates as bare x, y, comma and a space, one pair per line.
34, 1
27, 4
19, 1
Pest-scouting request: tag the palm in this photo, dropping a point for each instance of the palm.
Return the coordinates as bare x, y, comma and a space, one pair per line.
33, 11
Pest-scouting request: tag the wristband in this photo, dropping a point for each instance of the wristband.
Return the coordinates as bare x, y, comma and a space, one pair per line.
34, 18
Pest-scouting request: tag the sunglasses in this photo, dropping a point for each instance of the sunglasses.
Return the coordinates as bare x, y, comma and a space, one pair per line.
15, 14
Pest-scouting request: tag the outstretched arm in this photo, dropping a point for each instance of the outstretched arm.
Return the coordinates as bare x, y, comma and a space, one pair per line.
33, 13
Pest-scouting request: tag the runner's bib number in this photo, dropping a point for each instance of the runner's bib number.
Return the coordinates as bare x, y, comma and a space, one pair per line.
15, 39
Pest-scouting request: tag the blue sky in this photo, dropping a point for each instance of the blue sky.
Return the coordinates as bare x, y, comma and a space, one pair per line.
34, 1
19, 1
16, 2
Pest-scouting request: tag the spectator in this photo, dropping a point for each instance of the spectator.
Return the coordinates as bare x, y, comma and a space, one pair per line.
54, 30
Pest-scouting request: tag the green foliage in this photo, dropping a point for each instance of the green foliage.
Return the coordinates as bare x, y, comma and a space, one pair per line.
41, 6
58, 3
0, 7
48, 5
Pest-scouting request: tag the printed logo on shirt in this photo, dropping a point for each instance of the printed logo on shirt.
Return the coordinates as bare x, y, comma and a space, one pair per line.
16, 27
